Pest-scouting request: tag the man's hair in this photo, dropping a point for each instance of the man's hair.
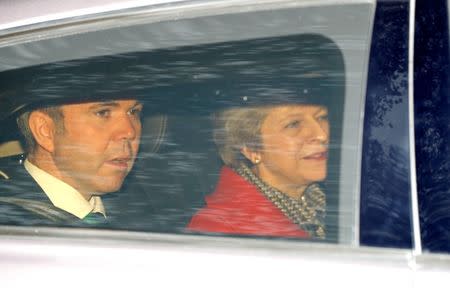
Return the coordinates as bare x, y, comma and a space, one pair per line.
55, 113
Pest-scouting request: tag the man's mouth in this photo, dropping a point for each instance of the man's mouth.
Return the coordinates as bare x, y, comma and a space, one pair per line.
120, 162
320, 156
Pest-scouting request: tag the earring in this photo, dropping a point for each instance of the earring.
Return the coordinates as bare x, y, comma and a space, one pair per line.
257, 161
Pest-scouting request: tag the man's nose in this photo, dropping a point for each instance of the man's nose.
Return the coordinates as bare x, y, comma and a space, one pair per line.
126, 127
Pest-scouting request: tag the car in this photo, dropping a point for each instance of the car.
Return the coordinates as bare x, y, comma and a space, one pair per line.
388, 174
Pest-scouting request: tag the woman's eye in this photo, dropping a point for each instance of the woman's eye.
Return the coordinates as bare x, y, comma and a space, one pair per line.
323, 117
293, 124
103, 113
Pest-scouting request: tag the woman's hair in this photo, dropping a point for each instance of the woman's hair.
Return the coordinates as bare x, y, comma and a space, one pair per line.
236, 128
309, 70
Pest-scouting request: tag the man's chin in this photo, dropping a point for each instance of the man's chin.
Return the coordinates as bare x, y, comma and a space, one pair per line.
108, 187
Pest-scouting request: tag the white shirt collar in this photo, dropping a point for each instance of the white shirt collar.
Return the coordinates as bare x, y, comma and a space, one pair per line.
64, 196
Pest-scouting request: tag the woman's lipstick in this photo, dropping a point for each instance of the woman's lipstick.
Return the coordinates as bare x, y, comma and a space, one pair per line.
317, 156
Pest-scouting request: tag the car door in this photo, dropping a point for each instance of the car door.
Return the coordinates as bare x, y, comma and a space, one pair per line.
184, 60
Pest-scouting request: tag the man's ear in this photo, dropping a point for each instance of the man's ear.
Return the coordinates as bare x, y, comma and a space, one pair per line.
43, 129
252, 155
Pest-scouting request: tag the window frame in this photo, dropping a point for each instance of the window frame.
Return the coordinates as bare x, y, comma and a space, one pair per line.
73, 29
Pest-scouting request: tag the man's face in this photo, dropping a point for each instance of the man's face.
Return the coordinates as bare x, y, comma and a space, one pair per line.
99, 144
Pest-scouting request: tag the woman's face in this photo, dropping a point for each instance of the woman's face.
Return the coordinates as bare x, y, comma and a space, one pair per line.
294, 147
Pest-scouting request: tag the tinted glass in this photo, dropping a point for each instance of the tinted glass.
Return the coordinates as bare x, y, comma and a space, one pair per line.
432, 123
386, 218
183, 90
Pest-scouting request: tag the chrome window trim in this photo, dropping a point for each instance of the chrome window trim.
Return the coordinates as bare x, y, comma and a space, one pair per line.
92, 237
412, 148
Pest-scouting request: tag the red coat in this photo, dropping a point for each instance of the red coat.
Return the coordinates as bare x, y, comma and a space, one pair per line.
238, 207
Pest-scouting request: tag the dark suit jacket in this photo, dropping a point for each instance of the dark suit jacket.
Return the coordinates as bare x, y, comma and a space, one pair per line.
23, 202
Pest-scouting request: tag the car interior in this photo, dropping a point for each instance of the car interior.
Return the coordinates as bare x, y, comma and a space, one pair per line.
178, 163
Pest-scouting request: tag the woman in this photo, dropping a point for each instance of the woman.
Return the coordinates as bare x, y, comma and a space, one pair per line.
268, 186
275, 146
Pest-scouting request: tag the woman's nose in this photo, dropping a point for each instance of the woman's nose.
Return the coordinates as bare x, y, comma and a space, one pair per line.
319, 131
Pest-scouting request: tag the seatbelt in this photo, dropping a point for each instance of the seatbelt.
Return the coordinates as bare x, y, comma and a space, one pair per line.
40, 208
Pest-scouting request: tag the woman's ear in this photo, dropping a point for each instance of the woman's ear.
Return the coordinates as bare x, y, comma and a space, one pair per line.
43, 129
252, 155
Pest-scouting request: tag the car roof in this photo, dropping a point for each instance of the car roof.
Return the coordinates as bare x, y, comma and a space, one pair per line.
21, 13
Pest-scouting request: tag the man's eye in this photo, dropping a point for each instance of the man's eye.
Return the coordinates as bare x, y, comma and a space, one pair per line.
135, 112
103, 113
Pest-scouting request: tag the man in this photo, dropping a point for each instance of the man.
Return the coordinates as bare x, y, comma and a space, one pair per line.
75, 154
81, 128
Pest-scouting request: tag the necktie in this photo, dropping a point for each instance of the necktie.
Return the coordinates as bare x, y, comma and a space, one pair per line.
95, 218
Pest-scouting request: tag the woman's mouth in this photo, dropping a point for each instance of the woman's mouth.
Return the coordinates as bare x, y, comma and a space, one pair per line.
317, 156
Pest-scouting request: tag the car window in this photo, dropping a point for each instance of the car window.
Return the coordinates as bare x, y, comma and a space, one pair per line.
431, 106
386, 209
188, 73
